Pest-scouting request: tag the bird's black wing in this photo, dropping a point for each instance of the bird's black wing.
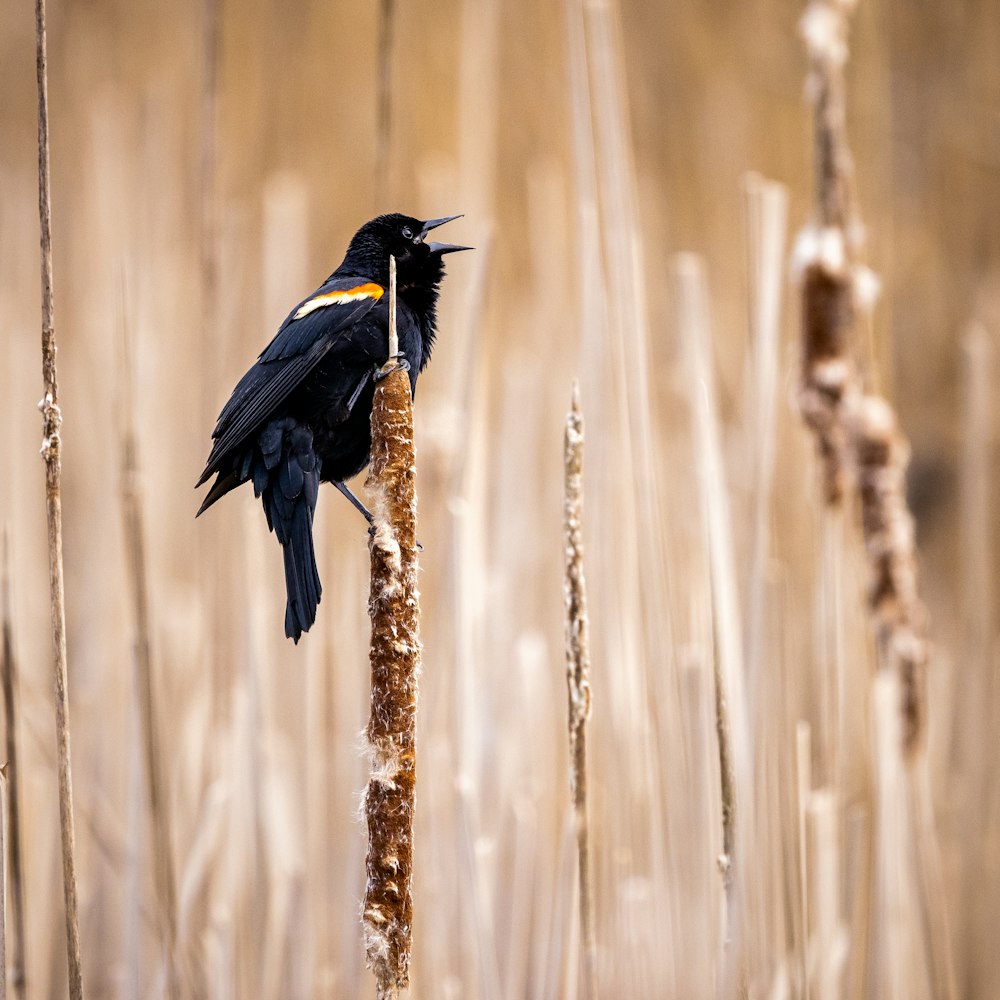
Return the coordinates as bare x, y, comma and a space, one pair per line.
312, 328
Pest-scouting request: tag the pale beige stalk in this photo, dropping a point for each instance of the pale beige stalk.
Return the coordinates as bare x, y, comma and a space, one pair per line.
156, 789
8, 678
578, 673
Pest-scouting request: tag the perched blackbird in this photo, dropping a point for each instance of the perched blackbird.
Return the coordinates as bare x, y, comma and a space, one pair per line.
302, 414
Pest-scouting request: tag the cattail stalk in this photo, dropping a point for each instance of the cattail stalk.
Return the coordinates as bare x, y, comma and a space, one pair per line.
51, 453
824, 251
578, 673
857, 432
8, 676
881, 454
395, 664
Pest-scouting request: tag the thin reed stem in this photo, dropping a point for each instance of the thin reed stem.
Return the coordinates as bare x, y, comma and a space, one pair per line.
692, 312
395, 664
208, 253
8, 677
766, 213
3, 893
159, 812
51, 453
578, 674
387, 23
735, 766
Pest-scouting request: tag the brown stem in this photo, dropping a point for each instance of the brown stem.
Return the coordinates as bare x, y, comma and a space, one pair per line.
51, 452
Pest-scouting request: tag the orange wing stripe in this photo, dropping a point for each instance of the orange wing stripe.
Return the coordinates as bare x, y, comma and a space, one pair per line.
367, 291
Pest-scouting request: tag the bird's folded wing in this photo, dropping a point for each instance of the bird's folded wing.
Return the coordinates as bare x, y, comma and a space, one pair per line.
311, 330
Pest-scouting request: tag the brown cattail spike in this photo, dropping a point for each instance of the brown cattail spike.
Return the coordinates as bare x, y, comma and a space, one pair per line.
881, 455
395, 664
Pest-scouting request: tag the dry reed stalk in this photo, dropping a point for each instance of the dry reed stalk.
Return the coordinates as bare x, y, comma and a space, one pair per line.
976, 700
153, 755
395, 664
3, 888
735, 764
977, 521
881, 454
627, 327
828, 371
578, 673
803, 788
766, 215
8, 677
51, 453
387, 23
857, 433
208, 246
693, 323
828, 944
895, 973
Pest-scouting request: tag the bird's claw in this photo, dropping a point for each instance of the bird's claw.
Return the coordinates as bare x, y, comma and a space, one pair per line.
394, 364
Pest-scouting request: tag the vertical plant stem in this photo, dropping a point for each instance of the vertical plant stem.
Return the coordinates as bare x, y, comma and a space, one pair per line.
208, 235
3, 894
393, 332
824, 251
735, 765
395, 664
8, 674
851, 425
692, 312
387, 21
766, 212
578, 674
159, 813
51, 452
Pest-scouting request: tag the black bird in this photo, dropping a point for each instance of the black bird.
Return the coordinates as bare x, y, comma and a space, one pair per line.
302, 414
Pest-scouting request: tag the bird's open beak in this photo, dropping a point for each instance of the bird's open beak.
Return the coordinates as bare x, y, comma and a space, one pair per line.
441, 248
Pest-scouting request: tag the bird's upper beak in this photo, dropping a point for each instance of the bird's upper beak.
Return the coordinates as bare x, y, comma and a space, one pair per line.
441, 247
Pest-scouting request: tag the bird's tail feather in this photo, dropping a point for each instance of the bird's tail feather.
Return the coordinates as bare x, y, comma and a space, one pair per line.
285, 474
301, 574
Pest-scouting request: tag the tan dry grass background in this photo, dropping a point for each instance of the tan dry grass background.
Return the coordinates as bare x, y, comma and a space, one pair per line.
260, 749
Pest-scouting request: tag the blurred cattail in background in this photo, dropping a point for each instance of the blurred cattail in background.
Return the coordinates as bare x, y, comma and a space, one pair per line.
208, 164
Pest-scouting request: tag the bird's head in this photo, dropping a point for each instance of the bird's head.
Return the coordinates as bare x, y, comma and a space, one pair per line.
419, 263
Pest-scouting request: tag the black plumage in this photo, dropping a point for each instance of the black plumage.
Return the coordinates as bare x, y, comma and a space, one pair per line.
302, 414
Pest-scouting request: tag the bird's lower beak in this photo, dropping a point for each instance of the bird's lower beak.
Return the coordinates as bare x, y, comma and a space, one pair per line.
446, 247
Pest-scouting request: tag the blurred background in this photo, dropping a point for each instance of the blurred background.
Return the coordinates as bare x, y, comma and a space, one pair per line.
209, 164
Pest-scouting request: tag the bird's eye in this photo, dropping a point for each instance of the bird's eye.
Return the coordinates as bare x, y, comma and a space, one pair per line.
407, 233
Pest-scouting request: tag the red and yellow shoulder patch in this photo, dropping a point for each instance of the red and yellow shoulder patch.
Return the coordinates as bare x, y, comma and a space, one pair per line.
369, 290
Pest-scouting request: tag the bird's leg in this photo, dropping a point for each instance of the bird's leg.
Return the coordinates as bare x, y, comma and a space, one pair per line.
357, 392
358, 505
364, 510
401, 365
